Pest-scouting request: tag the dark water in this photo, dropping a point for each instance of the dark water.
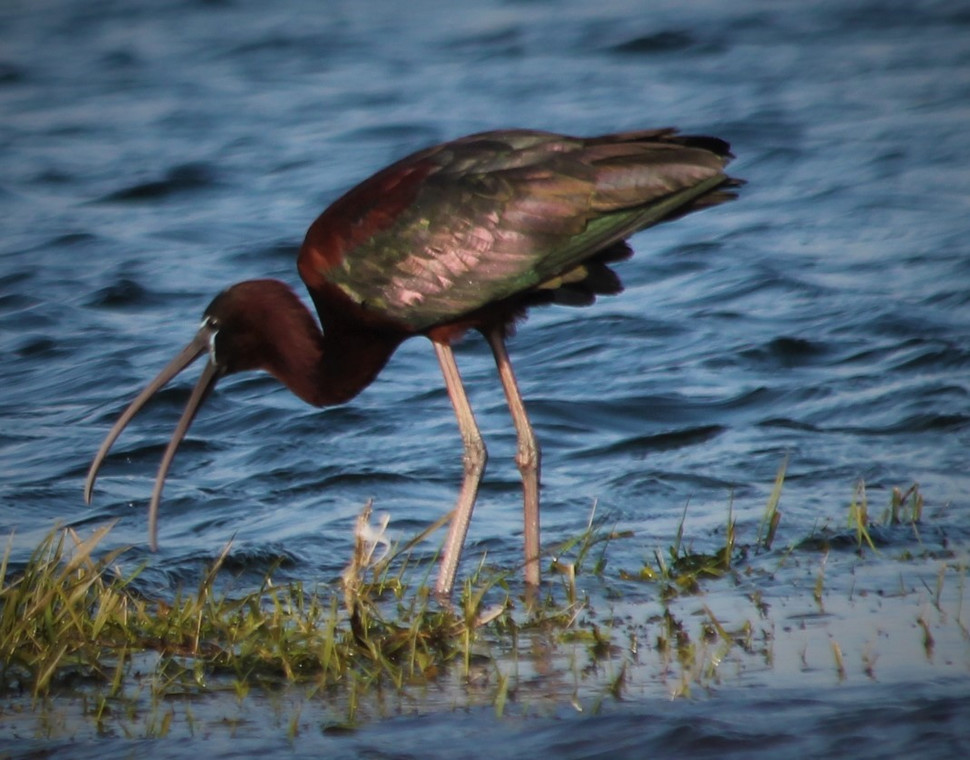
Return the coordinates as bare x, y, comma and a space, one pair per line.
149, 156
925, 722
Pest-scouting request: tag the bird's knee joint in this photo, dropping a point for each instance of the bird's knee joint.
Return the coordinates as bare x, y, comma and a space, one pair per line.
476, 455
527, 457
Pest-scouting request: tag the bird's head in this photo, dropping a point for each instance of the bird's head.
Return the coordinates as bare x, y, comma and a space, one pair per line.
243, 328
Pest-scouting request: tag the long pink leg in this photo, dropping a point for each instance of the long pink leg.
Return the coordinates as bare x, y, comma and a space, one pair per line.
527, 455
474, 460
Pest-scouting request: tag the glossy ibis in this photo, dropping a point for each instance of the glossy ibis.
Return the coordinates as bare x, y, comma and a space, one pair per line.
464, 235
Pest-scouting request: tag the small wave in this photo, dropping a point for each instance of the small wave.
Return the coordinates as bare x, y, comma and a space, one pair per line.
177, 180
667, 41
915, 423
667, 441
787, 351
122, 293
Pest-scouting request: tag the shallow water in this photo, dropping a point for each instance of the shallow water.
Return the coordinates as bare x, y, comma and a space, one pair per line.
150, 157
853, 722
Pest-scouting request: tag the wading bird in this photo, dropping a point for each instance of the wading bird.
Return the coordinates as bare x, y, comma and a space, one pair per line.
462, 236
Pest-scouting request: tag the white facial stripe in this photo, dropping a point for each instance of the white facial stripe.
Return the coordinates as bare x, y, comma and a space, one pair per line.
212, 326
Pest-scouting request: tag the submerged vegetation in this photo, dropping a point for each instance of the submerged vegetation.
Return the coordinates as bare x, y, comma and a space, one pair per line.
74, 624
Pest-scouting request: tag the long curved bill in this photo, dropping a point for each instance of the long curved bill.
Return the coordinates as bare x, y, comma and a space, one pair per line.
210, 375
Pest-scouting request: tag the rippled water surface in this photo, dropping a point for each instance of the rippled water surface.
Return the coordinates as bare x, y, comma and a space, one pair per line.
149, 156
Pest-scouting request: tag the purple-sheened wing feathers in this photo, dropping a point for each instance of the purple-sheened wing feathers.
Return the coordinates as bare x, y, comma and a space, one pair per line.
501, 213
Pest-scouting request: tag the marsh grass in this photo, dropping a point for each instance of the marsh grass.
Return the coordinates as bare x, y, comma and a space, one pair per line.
681, 570
73, 622
71, 618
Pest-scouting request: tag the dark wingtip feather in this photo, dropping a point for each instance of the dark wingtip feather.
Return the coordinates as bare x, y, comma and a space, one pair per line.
715, 145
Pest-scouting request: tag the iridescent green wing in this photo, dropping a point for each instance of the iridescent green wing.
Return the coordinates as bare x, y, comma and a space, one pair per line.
501, 213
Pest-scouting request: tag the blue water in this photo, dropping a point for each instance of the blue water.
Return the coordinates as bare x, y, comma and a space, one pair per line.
149, 156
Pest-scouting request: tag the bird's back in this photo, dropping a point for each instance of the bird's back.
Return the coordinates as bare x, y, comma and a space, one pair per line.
450, 230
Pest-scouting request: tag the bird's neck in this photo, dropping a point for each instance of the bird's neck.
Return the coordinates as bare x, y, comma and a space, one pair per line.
330, 368
322, 367
348, 363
